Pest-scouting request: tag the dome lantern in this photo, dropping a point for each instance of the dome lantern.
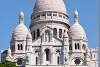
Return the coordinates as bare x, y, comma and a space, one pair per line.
76, 16
77, 31
21, 17
21, 28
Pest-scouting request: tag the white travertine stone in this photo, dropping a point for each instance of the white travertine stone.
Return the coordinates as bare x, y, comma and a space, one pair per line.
55, 44
45, 5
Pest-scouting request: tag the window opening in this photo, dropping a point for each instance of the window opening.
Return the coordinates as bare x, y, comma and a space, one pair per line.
55, 32
38, 33
47, 54
36, 60
60, 33
33, 35
58, 60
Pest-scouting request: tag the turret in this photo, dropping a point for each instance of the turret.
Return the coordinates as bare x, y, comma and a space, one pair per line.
21, 41
19, 35
78, 35
76, 16
21, 17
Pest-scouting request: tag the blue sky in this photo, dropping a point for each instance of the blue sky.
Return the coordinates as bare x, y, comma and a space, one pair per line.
88, 17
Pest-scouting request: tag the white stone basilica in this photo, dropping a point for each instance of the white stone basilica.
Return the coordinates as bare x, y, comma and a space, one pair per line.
50, 42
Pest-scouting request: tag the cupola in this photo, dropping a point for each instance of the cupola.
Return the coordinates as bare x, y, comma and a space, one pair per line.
21, 29
77, 31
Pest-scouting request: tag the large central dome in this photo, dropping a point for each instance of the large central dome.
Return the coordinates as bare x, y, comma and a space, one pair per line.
50, 5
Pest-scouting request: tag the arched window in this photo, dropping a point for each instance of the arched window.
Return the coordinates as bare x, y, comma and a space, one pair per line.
33, 35
78, 46
70, 47
36, 60
58, 60
60, 33
47, 35
85, 54
47, 51
38, 33
55, 32
64, 31
75, 46
20, 47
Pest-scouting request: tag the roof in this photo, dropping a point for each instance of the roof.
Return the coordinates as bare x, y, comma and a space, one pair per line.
21, 29
50, 5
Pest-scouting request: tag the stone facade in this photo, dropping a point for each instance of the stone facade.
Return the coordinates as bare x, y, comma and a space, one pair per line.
50, 42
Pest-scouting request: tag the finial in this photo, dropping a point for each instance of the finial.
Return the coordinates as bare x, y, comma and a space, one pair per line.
76, 16
21, 17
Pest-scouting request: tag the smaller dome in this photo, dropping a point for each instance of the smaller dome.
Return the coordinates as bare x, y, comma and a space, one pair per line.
77, 30
21, 29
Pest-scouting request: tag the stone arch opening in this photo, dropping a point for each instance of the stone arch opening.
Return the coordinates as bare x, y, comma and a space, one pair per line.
58, 60
77, 46
47, 51
60, 33
20, 47
55, 32
38, 33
